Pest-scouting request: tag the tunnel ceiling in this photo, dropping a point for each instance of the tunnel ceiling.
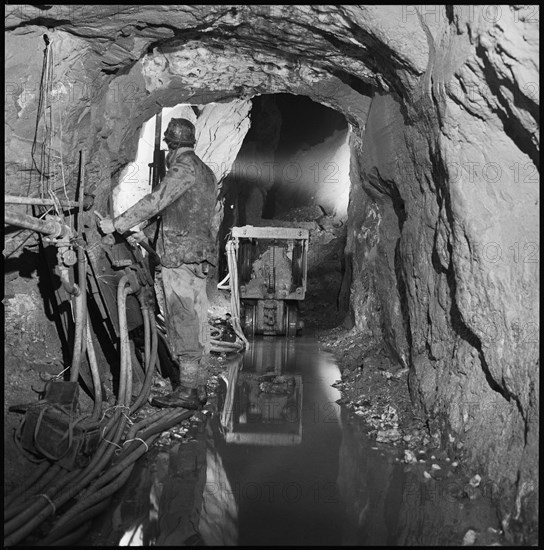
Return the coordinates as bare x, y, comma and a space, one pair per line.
362, 41
115, 66
135, 59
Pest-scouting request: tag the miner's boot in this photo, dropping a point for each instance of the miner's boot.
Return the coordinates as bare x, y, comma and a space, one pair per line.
187, 394
183, 396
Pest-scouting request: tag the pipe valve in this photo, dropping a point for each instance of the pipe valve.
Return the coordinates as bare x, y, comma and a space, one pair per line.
69, 257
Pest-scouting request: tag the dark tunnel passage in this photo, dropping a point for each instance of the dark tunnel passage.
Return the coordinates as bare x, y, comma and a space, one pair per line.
293, 169
391, 151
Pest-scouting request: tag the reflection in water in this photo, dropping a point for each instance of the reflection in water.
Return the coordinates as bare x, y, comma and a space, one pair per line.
219, 515
279, 451
263, 404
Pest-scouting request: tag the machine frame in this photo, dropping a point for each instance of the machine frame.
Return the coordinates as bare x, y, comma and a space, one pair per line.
271, 277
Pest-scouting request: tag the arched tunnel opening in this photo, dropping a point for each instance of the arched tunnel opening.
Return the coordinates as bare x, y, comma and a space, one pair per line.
381, 162
292, 170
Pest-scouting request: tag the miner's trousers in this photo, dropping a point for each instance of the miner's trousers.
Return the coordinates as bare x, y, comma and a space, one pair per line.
186, 317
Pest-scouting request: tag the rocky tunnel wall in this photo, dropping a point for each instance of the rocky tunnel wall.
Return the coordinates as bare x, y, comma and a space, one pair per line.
442, 248
439, 219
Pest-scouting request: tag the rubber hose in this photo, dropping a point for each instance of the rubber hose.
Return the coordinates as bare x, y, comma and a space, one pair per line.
97, 497
81, 315
147, 336
35, 510
95, 373
150, 369
222, 344
125, 376
95, 466
103, 455
22, 490
132, 454
149, 436
169, 419
135, 428
42, 487
162, 424
38, 514
128, 367
123, 336
125, 379
71, 538
55, 536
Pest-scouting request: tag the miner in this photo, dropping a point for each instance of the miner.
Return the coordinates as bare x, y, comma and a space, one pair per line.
186, 200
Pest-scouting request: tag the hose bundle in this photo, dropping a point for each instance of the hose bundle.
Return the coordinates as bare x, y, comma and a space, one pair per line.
51, 488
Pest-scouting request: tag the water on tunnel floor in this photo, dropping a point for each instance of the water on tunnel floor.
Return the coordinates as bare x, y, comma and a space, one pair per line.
278, 437
279, 462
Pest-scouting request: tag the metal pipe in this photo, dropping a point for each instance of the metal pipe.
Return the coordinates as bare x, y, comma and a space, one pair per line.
81, 191
125, 384
13, 199
48, 227
80, 340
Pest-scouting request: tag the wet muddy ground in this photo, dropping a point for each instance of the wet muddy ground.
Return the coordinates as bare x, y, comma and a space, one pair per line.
297, 446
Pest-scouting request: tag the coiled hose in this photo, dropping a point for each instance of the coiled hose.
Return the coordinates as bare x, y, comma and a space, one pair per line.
101, 478
63, 488
140, 438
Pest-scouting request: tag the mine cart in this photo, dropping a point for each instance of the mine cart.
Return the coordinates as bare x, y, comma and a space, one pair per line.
270, 277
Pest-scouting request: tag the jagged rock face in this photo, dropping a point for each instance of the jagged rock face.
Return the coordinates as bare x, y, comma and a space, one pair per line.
442, 229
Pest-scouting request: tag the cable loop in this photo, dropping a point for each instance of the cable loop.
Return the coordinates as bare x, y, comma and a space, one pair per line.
137, 439
48, 500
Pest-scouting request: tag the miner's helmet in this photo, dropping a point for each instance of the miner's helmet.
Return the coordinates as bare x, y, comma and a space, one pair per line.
180, 133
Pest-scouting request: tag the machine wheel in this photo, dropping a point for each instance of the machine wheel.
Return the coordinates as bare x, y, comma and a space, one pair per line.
291, 320
245, 262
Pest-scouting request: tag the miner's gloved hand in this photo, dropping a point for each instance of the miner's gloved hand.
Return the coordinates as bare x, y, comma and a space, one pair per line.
105, 224
137, 237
